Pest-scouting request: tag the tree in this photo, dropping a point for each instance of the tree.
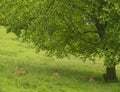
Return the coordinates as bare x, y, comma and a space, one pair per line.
83, 28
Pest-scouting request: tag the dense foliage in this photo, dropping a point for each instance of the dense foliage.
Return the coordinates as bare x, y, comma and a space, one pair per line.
84, 28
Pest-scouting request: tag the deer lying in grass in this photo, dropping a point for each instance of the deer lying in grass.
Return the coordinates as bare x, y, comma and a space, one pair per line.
20, 73
56, 73
92, 79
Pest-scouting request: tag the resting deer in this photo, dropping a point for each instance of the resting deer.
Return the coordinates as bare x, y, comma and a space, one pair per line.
20, 73
56, 73
92, 79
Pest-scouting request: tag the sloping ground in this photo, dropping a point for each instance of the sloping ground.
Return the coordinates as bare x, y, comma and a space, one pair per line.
22, 70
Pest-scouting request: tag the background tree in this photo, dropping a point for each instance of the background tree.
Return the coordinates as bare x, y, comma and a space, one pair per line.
83, 28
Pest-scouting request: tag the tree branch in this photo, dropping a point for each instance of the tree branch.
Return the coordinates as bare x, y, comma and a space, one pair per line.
90, 32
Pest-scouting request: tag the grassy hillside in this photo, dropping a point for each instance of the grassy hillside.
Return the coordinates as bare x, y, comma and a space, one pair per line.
22, 70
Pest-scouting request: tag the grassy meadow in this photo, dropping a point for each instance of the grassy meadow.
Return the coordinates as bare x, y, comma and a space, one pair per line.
23, 70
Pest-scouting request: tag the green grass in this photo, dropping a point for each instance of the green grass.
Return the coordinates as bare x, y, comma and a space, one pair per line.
73, 76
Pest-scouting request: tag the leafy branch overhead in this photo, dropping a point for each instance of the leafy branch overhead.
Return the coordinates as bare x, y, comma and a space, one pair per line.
85, 28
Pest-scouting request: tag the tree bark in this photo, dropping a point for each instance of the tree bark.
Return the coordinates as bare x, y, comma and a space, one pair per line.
110, 74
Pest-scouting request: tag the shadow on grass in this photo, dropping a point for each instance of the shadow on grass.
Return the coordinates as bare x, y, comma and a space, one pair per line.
66, 73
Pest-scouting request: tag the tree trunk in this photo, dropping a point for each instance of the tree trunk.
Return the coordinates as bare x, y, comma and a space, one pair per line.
110, 74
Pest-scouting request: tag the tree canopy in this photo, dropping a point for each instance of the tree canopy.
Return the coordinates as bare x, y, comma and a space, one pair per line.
84, 28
